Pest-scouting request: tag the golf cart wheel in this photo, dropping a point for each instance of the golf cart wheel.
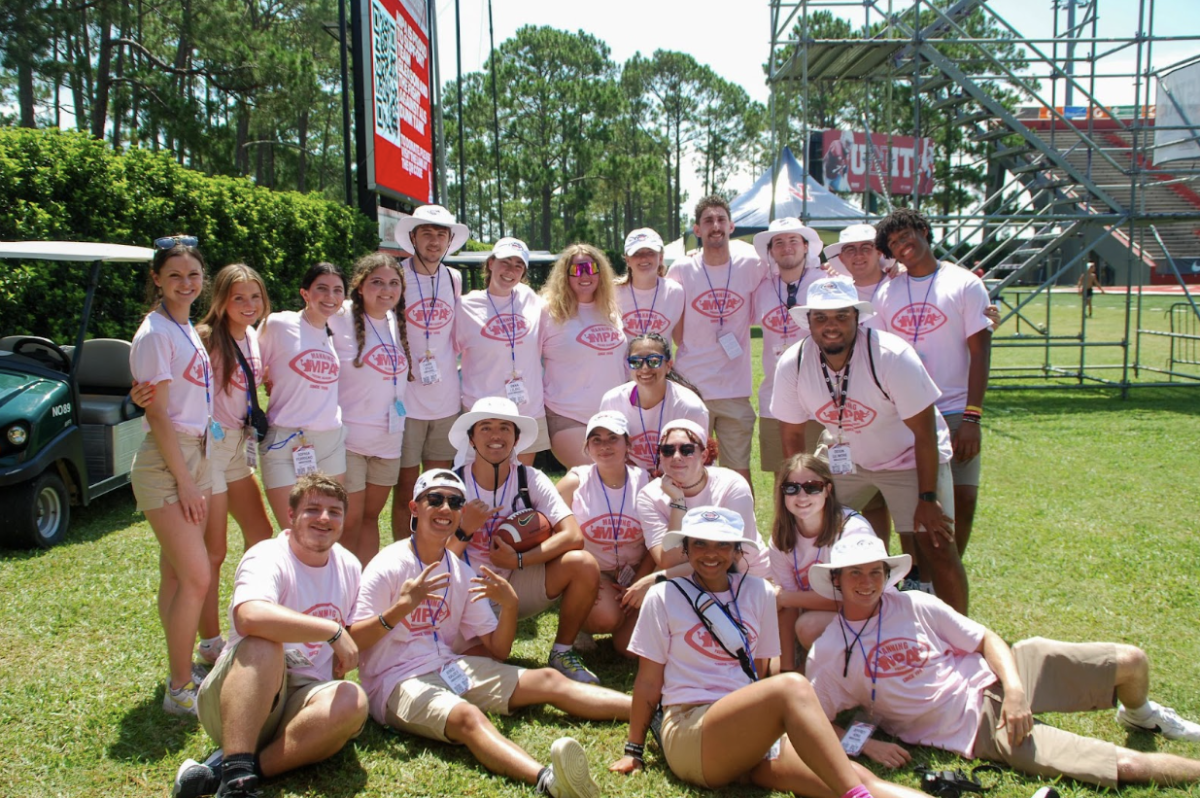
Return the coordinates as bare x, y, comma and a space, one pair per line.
39, 511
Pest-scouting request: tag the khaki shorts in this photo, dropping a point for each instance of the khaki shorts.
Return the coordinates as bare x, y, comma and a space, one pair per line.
681, 733
153, 483
422, 705
733, 422
530, 585
362, 470
964, 473
228, 458
899, 490
427, 440
278, 470
293, 695
542, 442
556, 424
1058, 677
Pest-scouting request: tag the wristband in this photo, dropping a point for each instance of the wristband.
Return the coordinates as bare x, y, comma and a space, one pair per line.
974, 409
384, 623
968, 419
678, 506
336, 635
634, 750
928, 496
520, 562
463, 536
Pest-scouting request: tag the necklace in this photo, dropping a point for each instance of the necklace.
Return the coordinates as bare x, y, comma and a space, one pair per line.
703, 476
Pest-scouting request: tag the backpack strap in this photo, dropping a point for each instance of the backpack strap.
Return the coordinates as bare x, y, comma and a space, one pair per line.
871, 360
522, 488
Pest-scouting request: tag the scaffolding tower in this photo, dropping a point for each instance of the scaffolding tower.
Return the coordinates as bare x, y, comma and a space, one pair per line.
1070, 177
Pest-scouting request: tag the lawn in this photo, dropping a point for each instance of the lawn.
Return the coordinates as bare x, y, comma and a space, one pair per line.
1086, 530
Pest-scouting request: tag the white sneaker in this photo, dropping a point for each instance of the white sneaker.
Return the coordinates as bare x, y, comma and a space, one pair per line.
568, 775
1165, 721
181, 701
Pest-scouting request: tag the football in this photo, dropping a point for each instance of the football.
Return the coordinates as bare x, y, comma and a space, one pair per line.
524, 530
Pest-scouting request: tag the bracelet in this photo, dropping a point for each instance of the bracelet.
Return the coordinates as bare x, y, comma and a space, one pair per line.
336, 635
678, 506
520, 562
384, 623
634, 750
974, 409
967, 419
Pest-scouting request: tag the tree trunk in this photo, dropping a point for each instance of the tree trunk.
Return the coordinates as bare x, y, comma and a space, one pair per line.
302, 166
241, 154
104, 64
25, 92
545, 232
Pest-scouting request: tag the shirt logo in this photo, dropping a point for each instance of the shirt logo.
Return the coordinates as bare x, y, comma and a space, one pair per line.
381, 357
237, 377
777, 320
599, 530
427, 616
436, 310
898, 657
638, 322
855, 415
919, 318
195, 371
642, 447
506, 327
698, 638
329, 612
718, 303
316, 365
601, 337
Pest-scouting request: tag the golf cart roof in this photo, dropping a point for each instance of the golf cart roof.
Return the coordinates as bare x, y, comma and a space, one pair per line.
83, 251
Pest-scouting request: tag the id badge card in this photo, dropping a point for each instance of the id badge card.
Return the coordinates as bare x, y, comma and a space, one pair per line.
729, 342
304, 459
774, 751
514, 389
396, 417
625, 576
295, 658
251, 440
455, 677
840, 461
428, 369
856, 737
215, 429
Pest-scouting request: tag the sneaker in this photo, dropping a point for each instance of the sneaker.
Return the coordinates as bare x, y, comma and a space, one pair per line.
656, 721
181, 701
245, 787
908, 583
570, 665
200, 673
584, 642
197, 779
568, 776
1164, 721
209, 654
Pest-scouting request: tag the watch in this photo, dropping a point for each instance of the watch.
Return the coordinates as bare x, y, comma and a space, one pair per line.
463, 536
928, 496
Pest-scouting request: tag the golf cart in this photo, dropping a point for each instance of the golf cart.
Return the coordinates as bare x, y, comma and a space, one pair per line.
68, 430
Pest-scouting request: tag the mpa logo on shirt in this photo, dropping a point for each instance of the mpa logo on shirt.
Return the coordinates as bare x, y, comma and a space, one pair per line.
599, 530
718, 303
698, 638
316, 365
386, 359
436, 311
778, 321
327, 611
196, 371
898, 657
237, 377
919, 318
638, 322
601, 337
506, 327
802, 577
427, 616
642, 447
855, 415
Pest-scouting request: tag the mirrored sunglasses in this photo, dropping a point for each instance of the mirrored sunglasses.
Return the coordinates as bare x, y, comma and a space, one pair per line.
585, 268
651, 361
166, 242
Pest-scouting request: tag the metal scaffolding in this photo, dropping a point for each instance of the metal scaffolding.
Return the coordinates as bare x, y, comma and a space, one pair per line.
1070, 177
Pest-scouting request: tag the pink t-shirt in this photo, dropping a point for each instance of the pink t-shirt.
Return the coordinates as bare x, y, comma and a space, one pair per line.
421, 641
789, 569
873, 426
922, 664
584, 357
644, 423
270, 571
496, 335
656, 310
779, 329
717, 302
600, 509
937, 314
303, 368
724, 488
698, 671
542, 494
368, 393
231, 407
164, 350
431, 309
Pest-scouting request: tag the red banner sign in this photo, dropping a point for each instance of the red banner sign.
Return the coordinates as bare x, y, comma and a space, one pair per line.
849, 163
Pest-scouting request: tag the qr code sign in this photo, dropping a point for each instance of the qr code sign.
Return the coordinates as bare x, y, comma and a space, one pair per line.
385, 71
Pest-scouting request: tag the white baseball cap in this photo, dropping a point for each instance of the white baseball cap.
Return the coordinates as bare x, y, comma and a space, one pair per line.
832, 293
610, 420
643, 238
509, 247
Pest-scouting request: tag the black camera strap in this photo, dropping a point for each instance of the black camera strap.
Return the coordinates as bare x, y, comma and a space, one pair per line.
251, 388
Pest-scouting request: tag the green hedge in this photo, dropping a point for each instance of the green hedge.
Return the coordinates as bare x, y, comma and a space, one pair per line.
58, 185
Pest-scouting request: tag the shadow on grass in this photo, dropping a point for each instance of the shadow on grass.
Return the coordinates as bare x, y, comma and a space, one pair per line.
1056, 402
148, 734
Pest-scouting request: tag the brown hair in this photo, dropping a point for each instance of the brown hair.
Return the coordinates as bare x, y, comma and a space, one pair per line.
363, 268
785, 531
712, 201
213, 329
321, 485
161, 256
561, 302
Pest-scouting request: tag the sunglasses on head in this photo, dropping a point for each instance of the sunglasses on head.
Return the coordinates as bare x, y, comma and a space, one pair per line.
651, 361
684, 449
166, 242
438, 499
585, 268
811, 488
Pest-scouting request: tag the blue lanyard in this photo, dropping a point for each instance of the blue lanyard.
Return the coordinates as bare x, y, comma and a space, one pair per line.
391, 350
645, 432
924, 302
510, 335
787, 317
614, 520
199, 353
858, 639
633, 293
432, 621
428, 312
720, 305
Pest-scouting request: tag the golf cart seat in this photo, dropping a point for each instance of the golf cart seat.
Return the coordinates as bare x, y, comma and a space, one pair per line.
104, 381
33, 349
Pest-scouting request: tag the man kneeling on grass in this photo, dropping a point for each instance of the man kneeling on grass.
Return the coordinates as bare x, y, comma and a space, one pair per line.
275, 700
416, 599
934, 677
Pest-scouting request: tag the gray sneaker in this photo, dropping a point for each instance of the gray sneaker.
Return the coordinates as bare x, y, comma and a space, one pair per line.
568, 775
570, 665
198, 779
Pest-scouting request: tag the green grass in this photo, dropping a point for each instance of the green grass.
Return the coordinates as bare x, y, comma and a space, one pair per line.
1086, 530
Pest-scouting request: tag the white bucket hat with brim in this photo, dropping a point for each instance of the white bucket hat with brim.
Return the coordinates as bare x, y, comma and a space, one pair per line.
854, 234
710, 523
856, 550
439, 217
789, 224
832, 293
493, 407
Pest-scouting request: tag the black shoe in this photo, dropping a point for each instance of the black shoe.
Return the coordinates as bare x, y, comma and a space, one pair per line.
656, 721
241, 787
198, 779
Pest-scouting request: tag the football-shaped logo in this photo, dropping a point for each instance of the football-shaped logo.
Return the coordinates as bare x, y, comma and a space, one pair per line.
430, 314
601, 337
237, 377
638, 322
197, 370
898, 656
382, 358
699, 639
855, 415
426, 616
506, 327
919, 318
599, 530
316, 365
778, 321
718, 303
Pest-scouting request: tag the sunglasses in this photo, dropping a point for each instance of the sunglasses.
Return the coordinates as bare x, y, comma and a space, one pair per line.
584, 268
166, 242
685, 449
652, 361
438, 499
811, 488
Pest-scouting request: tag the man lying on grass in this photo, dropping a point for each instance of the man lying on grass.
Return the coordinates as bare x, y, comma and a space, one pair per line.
275, 700
416, 599
931, 676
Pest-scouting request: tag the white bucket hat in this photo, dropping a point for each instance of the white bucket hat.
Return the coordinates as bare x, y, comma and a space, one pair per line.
643, 238
856, 550
832, 293
511, 247
854, 234
437, 216
493, 407
710, 523
789, 224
